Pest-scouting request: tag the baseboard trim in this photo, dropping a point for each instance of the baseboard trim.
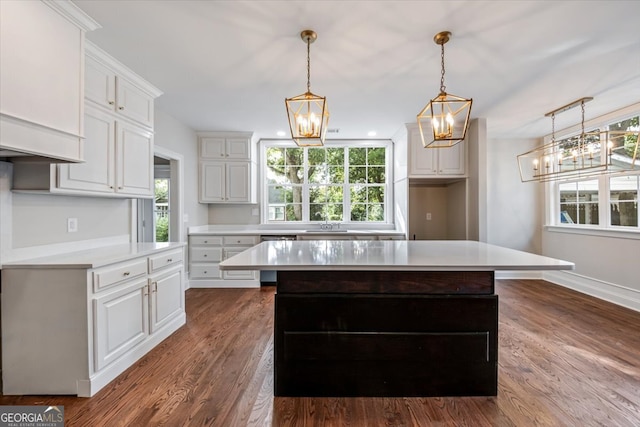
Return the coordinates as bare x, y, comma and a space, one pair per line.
616, 294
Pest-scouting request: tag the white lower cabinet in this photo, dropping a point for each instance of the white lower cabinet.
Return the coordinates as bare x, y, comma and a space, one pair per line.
206, 252
121, 322
72, 330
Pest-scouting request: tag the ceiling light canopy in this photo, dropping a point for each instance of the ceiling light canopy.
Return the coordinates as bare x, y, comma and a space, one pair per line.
444, 121
308, 113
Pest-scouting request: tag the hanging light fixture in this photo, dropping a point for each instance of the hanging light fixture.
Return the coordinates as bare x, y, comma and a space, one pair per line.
587, 154
445, 119
308, 113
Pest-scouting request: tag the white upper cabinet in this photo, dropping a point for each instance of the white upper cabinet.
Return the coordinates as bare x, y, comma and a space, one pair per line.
434, 162
41, 78
227, 167
115, 88
118, 149
216, 148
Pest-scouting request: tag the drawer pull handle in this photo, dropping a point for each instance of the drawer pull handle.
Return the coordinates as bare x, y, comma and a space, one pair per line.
120, 108
126, 273
169, 259
111, 102
205, 255
206, 241
205, 272
238, 241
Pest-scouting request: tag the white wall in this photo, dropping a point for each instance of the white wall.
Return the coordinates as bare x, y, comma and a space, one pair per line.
42, 219
175, 136
514, 214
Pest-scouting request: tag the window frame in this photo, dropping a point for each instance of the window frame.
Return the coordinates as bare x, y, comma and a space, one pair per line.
364, 143
552, 188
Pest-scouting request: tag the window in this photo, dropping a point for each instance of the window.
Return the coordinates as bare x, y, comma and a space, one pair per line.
579, 202
605, 201
623, 197
344, 183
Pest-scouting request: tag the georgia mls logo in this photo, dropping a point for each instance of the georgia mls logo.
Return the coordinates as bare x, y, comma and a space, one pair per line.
32, 416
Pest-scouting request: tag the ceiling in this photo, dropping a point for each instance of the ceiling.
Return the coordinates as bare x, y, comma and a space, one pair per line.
229, 65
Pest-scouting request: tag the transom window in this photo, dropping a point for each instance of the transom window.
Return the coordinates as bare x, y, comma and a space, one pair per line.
344, 183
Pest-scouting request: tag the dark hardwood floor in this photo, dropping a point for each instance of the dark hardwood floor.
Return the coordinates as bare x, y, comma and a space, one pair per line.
565, 359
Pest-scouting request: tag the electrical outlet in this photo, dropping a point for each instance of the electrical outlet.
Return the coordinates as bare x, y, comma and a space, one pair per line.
428, 216
72, 225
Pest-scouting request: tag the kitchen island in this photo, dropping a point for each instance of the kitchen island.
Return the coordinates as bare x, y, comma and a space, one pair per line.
386, 318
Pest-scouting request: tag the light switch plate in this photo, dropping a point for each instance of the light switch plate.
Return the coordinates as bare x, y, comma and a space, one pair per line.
72, 225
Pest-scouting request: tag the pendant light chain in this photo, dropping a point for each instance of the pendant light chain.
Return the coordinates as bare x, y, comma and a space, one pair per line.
308, 65
442, 86
553, 127
582, 126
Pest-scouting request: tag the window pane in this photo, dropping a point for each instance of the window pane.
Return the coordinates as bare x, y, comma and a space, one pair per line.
357, 174
335, 156
334, 211
293, 212
336, 175
294, 156
318, 194
579, 202
358, 194
317, 174
316, 212
376, 212
375, 194
624, 201
358, 212
376, 156
357, 156
375, 175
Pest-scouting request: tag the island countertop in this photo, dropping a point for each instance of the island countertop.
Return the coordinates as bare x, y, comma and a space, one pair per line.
399, 255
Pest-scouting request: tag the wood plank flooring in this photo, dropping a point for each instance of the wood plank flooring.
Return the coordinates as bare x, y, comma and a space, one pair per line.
565, 359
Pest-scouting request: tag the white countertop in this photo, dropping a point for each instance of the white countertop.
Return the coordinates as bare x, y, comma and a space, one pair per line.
258, 230
416, 255
94, 258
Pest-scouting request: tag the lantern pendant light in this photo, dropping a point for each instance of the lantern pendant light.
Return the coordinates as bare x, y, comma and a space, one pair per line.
308, 113
444, 121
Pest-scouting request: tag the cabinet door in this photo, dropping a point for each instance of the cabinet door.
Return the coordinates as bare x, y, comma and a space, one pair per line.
133, 103
166, 298
212, 182
99, 84
451, 160
134, 160
121, 322
212, 148
238, 181
238, 148
237, 274
97, 172
422, 161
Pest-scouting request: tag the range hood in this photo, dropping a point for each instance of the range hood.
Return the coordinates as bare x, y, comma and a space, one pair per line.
22, 139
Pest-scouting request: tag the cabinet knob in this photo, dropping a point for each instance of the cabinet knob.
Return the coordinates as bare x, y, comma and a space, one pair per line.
169, 259
205, 272
238, 241
126, 273
206, 241
111, 102
120, 108
205, 255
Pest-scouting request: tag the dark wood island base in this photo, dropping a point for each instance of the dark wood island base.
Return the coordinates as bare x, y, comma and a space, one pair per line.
386, 333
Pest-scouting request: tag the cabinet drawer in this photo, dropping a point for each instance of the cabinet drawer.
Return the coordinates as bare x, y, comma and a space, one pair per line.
109, 276
205, 272
206, 254
164, 259
240, 240
206, 240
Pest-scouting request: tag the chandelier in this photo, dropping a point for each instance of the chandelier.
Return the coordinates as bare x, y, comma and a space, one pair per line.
444, 121
587, 154
308, 113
